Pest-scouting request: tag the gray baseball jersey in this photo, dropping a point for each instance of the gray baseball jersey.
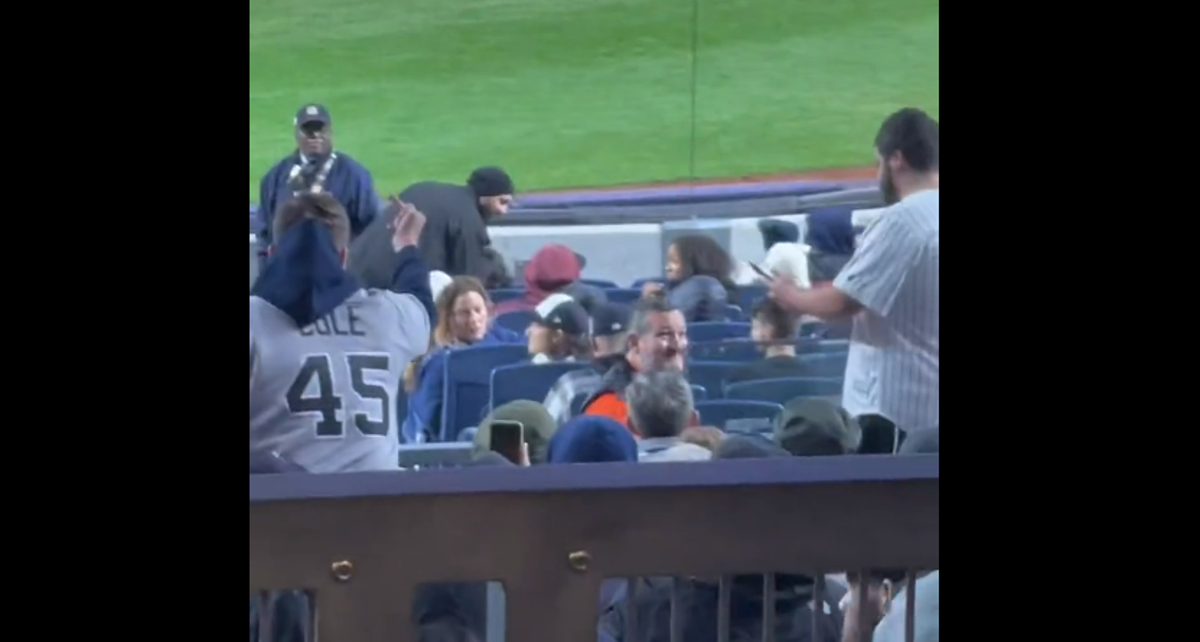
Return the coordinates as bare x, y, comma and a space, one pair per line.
323, 397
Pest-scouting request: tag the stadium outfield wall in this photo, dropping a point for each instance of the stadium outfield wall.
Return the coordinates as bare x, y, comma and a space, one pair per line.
625, 234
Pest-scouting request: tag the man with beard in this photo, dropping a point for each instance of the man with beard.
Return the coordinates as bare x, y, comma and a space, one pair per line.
456, 238
316, 168
657, 340
891, 285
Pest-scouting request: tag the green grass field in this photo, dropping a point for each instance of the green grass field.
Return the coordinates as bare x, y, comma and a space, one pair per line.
569, 93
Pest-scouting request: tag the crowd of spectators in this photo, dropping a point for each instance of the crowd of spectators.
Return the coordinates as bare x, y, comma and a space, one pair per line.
628, 397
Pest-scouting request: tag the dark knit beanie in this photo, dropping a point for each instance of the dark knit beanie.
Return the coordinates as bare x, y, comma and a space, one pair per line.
491, 181
775, 231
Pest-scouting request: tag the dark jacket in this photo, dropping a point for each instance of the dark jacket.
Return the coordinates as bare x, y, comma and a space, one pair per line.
455, 235
831, 235
371, 255
701, 299
349, 182
614, 383
425, 410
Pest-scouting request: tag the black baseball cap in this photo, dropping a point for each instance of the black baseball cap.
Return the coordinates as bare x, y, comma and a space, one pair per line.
313, 114
561, 312
611, 319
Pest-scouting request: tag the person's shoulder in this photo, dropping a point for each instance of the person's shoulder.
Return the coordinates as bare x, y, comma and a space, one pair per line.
916, 210
429, 187
433, 196
258, 306
398, 299
350, 161
404, 306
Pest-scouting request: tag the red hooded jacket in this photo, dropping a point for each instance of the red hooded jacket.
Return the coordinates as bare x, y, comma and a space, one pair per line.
553, 268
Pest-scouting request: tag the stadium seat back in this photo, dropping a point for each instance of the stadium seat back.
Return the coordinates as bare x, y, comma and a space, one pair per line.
750, 295
739, 417
826, 346
781, 391
600, 283
517, 321
710, 375
623, 296
528, 381
505, 294
717, 331
734, 350
469, 383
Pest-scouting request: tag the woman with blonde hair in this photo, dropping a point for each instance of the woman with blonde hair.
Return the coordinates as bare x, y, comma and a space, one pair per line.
464, 313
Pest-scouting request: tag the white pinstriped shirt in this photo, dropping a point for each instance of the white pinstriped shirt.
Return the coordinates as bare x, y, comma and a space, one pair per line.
894, 355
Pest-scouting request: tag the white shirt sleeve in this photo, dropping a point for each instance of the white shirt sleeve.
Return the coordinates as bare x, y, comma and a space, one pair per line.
882, 263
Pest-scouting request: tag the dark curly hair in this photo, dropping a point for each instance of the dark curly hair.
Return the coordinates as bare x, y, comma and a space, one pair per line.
702, 256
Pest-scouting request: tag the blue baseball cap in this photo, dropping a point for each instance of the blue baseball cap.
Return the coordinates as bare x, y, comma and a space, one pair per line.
313, 114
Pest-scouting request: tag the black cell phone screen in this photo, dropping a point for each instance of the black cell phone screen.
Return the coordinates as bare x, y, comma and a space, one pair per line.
507, 439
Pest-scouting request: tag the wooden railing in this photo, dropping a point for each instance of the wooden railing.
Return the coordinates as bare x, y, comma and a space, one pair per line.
364, 542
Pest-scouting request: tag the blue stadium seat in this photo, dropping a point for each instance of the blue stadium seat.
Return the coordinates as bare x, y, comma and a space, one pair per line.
518, 321
832, 364
734, 313
507, 294
528, 381
600, 283
699, 393
826, 346
781, 391
739, 416
624, 296
718, 331
737, 351
750, 295
469, 384
710, 375
746, 350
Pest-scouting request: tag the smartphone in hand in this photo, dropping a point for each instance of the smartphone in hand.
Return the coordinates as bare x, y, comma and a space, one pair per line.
761, 272
508, 439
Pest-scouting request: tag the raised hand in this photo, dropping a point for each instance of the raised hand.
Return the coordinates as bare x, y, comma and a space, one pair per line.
406, 226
